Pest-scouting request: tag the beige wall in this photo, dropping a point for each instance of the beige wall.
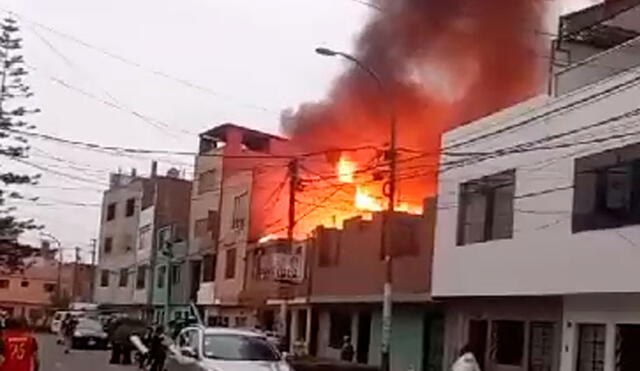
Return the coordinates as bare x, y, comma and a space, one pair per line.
120, 257
228, 290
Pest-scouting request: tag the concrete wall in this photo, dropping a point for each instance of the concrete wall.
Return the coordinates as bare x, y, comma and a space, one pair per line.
120, 229
608, 310
543, 256
359, 270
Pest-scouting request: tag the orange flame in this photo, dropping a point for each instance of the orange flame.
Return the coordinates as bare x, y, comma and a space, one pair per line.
346, 169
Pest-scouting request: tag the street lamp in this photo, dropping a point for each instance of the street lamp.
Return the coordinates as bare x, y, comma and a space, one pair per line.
60, 261
391, 155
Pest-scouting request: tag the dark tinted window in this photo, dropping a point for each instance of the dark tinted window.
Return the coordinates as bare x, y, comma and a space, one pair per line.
111, 211
239, 348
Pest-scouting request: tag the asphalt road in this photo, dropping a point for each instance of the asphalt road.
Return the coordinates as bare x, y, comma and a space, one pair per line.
52, 358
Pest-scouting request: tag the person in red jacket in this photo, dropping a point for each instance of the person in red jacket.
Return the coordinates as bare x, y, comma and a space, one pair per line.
18, 347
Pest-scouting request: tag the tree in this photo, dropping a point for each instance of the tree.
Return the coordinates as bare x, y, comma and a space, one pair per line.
14, 96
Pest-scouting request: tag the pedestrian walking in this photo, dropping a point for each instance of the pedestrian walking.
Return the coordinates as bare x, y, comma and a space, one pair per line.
18, 347
68, 327
158, 350
466, 361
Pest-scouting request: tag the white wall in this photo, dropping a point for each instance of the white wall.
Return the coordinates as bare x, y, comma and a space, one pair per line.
543, 257
119, 257
608, 310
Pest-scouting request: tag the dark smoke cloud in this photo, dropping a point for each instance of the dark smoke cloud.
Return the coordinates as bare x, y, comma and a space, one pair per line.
444, 62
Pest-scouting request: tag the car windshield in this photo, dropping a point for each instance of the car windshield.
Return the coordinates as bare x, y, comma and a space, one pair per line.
239, 348
89, 324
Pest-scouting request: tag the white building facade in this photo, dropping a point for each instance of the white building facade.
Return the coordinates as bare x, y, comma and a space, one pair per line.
538, 228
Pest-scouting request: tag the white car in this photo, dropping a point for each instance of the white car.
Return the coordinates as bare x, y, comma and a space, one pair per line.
223, 349
56, 322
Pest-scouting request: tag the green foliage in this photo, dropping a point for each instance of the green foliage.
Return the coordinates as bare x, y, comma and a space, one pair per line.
14, 112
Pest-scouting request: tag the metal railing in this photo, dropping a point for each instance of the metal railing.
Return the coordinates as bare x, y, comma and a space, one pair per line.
597, 67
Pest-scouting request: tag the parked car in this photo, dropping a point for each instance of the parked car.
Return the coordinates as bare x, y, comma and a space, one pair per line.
89, 333
203, 349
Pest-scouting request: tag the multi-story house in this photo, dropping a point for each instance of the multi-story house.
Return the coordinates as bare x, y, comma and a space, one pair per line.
121, 206
231, 209
347, 275
140, 216
537, 227
32, 292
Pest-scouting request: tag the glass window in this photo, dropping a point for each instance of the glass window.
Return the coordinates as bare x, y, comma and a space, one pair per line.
541, 346
591, 343
209, 268
124, 277
104, 278
239, 348
111, 211
162, 273
141, 277
627, 354
486, 208
131, 207
230, 264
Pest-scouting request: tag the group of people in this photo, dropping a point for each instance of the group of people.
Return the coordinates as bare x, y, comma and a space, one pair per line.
18, 346
149, 345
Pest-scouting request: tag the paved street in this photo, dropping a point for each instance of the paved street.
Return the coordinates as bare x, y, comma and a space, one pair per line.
53, 358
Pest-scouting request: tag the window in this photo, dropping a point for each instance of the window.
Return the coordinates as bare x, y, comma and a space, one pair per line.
124, 277
627, 340
49, 287
201, 228
541, 346
104, 278
209, 268
141, 277
239, 211
230, 264
131, 207
207, 181
162, 274
24, 284
591, 342
486, 208
4, 284
339, 327
108, 245
111, 211
175, 273
607, 190
127, 242
507, 342
239, 348
328, 243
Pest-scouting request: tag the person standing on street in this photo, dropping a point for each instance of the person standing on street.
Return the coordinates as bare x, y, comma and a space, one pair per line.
466, 361
68, 327
18, 347
158, 350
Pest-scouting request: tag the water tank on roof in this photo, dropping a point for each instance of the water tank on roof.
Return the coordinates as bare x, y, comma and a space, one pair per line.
173, 173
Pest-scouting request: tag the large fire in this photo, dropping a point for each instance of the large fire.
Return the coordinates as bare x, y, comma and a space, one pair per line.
443, 63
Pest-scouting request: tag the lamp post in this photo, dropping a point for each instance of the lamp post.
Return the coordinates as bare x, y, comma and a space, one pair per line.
60, 261
391, 156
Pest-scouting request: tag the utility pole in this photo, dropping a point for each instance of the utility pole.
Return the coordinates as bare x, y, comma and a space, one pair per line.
74, 288
293, 186
387, 303
167, 252
94, 268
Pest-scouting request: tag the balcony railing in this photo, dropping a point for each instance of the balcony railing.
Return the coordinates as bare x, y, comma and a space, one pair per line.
597, 67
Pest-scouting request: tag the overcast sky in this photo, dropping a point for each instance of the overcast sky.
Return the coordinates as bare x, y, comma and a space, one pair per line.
254, 58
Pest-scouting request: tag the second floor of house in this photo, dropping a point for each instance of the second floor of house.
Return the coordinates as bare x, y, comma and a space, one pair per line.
542, 198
